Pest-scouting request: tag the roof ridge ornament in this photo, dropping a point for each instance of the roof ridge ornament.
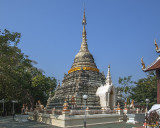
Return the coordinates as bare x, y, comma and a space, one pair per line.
156, 44
143, 64
153, 65
157, 48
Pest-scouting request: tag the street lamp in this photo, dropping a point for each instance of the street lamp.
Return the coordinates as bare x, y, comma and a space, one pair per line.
14, 101
2, 101
147, 102
85, 97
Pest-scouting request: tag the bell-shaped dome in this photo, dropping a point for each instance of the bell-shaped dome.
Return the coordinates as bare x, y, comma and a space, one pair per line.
84, 59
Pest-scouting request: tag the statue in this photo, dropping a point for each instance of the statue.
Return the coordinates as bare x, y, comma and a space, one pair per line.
26, 110
65, 105
73, 102
118, 107
23, 109
39, 102
39, 106
49, 99
132, 104
31, 109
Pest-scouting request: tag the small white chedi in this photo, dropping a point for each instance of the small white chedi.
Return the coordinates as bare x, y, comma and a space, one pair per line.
107, 93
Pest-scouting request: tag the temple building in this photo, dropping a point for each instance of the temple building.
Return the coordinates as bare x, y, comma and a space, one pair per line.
83, 78
155, 66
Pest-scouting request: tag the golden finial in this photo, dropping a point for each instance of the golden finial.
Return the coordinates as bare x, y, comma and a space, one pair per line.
156, 45
109, 66
84, 46
84, 18
143, 65
84, 23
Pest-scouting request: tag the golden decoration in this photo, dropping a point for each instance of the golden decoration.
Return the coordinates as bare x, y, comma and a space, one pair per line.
143, 65
84, 68
65, 106
73, 100
156, 44
118, 106
92, 69
74, 69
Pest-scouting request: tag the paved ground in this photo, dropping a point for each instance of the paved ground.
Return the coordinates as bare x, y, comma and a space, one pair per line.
8, 122
120, 125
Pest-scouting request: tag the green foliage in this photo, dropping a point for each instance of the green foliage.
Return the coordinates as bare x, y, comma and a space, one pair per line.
19, 79
42, 85
146, 88
126, 87
10, 61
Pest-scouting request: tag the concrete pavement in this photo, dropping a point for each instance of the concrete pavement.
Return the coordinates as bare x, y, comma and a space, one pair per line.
8, 122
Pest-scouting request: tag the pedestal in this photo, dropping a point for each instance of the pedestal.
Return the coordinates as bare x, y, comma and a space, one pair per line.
119, 112
126, 111
103, 111
87, 112
138, 110
53, 111
108, 108
131, 118
65, 113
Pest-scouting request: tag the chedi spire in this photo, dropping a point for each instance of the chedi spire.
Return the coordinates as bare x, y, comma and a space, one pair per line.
84, 59
84, 45
108, 78
84, 18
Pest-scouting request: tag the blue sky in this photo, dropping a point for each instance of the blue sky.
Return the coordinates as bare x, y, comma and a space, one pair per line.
119, 33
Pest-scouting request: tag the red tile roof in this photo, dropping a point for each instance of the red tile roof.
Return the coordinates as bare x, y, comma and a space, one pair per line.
155, 65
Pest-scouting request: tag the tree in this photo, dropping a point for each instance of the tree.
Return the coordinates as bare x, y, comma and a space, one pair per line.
41, 86
10, 58
126, 87
146, 88
19, 79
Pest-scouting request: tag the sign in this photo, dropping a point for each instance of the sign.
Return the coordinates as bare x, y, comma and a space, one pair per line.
2, 101
14, 101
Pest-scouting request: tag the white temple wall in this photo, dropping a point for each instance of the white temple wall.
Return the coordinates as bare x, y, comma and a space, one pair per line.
107, 96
